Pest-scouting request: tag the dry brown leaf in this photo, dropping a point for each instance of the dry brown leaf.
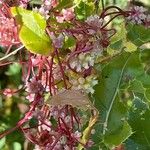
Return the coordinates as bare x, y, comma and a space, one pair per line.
76, 98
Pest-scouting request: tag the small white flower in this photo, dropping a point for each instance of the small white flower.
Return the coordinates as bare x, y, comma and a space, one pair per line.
77, 134
81, 56
73, 63
78, 68
85, 84
82, 61
81, 80
85, 65
63, 140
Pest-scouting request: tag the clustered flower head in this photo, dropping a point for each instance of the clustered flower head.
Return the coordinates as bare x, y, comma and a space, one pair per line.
8, 31
65, 133
46, 6
66, 15
84, 83
82, 61
95, 21
137, 15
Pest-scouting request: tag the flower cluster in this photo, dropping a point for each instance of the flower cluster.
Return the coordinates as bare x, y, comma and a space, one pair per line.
82, 61
46, 6
95, 21
86, 84
34, 87
66, 15
137, 15
64, 134
8, 31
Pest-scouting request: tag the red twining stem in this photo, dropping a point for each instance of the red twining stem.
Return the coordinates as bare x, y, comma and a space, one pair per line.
50, 64
61, 68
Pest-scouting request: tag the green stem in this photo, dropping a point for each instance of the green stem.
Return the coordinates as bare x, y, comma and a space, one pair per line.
12, 53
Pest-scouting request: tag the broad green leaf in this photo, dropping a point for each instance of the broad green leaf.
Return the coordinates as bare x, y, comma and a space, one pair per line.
119, 41
147, 93
138, 34
141, 84
118, 136
124, 71
113, 111
32, 32
139, 119
137, 87
117, 45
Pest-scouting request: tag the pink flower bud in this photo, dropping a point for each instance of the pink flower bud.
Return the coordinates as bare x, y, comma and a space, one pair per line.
8, 92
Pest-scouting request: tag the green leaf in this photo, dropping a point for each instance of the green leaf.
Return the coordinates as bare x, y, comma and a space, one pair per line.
64, 4
2, 142
118, 136
141, 83
130, 47
132, 145
120, 34
138, 34
123, 72
119, 41
147, 93
139, 119
113, 111
16, 146
14, 69
32, 32
136, 86
84, 9
33, 122
69, 41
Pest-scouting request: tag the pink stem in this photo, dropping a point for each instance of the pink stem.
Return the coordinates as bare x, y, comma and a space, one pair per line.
50, 76
61, 68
